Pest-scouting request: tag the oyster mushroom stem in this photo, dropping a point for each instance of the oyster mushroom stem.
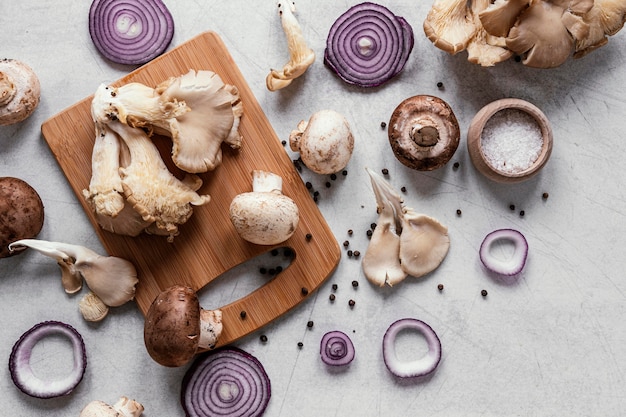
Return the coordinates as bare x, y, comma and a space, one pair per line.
423, 132
176, 327
404, 242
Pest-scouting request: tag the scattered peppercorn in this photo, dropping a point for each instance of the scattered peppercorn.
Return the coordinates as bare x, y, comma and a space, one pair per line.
369, 233
385, 171
512, 207
243, 314
284, 142
440, 85
440, 287
355, 283
263, 338
545, 196
316, 193
333, 177
288, 252
356, 253
304, 291
309, 185
373, 226
483, 293
456, 165
350, 254
458, 212
272, 271
346, 243
278, 269
308, 237
344, 172
300, 345
335, 287
521, 213
350, 232
274, 252
331, 297
351, 303
403, 189
383, 125
309, 324
327, 184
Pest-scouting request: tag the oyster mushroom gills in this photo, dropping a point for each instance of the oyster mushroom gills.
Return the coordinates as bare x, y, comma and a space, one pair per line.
301, 57
325, 142
21, 213
545, 33
264, 216
19, 91
176, 328
423, 132
131, 190
124, 407
111, 280
404, 242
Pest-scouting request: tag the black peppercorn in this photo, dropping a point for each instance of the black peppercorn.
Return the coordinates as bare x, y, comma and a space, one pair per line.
331, 297
351, 303
304, 291
346, 244
483, 293
440, 287
355, 283
350, 232
263, 271
300, 345
458, 212
385, 171
369, 233
521, 213
309, 185
545, 196
263, 338
309, 324
335, 287
350, 254
308, 237
456, 165
440, 85
333, 177
403, 189
512, 207
356, 253
383, 125
328, 184
373, 226
242, 314
344, 172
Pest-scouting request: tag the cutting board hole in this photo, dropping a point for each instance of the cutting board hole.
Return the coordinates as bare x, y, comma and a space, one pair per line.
245, 278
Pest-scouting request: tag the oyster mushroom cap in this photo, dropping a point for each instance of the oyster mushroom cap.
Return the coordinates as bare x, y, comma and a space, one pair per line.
264, 216
20, 91
423, 132
424, 243
605, 18
449, 25
325, 142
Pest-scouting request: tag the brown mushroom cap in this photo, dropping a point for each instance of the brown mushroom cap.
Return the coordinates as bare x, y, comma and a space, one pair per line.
172, 326
21, 213
424, 132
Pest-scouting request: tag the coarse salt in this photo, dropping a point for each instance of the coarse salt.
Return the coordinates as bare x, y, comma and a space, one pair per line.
511, 141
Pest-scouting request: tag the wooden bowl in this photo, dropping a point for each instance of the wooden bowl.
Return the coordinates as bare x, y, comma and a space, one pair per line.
476, 148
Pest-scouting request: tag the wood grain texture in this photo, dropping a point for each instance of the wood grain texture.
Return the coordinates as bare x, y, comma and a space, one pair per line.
208, 244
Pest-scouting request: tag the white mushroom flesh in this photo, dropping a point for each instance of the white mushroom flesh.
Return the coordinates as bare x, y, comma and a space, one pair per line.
407, 243
210, 328
300, 55
124, 407
264, 216
19, 91
325, 142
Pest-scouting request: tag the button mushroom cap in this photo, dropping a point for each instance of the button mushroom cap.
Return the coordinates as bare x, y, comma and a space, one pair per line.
325, 142
124, 407
423, 132
19, 91
21, 213
176, 327
264, 216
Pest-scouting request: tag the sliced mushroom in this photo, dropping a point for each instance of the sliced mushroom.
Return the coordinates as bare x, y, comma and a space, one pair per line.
423, 132
407, 244
176, 327
19, 91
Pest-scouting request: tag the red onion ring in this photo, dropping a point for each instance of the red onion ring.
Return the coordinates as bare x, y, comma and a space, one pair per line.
512, 265
130, 31
368, 45
336, 349
225, 382
22, 373
418, 367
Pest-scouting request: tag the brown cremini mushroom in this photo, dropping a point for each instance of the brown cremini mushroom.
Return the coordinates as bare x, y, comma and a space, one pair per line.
423, 132
19, 91
176, 327
21, 213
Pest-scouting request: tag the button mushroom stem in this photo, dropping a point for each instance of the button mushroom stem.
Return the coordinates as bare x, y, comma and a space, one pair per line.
124, 407
176, 327
110, 278
425, 135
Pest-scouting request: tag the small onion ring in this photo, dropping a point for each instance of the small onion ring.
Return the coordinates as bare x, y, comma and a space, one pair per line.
418, 367
515, 263
225, 382
22, 373
336, 349
368, 45
130, 32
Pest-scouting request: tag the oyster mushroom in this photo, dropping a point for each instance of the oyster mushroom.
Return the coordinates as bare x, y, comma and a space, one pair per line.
19, 91
112, 280
325, 142
264, 216
605, 19
404, 242
423, 132
124, 407
176, 327
301, 57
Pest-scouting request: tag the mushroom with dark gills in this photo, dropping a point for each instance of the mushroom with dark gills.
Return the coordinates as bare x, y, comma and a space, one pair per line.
176, 327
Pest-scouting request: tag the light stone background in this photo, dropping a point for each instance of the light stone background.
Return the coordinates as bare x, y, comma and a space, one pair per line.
551, 342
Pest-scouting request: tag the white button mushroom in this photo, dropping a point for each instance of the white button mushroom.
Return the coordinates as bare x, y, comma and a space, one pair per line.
264, 216
325, 142
19, 91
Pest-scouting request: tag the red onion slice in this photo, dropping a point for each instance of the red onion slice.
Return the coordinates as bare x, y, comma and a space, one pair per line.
368, 45
418, 367
336, 349
130, 31
507, 265
225, 382
22, 373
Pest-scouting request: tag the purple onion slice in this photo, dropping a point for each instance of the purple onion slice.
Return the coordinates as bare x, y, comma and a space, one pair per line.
336, 348
225, 382
368, 45
418, 367
22, 373
506, 264
130, 32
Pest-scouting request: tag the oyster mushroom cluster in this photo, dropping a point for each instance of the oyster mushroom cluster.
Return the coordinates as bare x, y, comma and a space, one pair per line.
545, 33
131, 188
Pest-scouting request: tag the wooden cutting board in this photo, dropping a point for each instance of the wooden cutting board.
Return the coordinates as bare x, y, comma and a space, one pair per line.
208, 244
